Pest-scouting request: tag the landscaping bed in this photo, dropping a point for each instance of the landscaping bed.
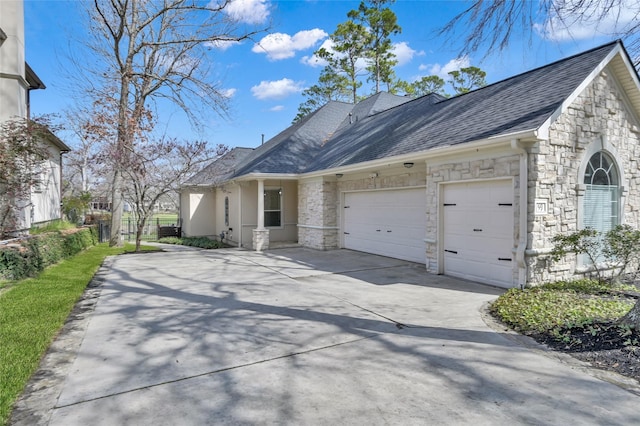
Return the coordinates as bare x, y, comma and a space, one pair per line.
608, 348
577, 318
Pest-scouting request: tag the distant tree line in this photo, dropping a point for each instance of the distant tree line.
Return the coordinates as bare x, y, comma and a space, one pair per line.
361, 50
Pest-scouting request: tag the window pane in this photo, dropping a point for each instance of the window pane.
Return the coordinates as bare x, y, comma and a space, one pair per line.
226, 211
601, 207
272, 218
272, 199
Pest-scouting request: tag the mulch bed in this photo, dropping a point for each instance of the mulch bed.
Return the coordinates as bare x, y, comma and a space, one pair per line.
603, 345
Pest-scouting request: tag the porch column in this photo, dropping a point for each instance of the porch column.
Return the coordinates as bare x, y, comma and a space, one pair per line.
260, 234
260, 204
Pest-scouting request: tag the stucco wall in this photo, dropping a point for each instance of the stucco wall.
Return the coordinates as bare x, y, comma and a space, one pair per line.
45, 197
12, 84
598, 119
288, 230
197, 212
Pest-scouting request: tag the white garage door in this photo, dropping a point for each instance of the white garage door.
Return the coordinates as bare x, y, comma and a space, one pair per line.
478, 231
389, 223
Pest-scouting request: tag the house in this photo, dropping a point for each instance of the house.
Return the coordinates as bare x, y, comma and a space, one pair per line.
475, 186
17, 80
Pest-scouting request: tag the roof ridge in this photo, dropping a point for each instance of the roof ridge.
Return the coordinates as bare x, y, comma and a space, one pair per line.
551, 64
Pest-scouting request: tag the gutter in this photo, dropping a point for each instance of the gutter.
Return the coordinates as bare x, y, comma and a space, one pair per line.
433, 153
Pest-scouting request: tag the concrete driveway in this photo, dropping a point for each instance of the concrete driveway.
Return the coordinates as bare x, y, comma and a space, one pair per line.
296, 336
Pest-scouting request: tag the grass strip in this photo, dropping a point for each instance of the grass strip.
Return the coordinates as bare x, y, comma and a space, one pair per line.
33, 310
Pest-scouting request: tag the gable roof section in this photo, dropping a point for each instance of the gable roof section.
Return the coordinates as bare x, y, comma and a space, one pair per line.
221, 169
518, 104
374, 104
294, 149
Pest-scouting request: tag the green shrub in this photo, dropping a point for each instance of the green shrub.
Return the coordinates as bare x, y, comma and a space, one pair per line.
201, 242
34, 254
553, 307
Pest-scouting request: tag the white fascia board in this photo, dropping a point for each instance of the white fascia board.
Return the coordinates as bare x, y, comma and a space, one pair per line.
267, 176
484, 144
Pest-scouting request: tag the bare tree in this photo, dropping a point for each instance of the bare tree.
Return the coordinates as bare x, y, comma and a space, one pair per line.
158, 169
154, 51
491, 25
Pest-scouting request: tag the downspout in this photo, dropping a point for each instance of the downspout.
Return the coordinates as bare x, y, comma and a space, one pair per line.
519, 147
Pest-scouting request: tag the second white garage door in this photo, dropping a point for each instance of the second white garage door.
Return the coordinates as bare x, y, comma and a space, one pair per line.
478, 231
389, 223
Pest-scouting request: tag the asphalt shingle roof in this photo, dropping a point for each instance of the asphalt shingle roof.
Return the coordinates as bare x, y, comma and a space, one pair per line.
387, 125
520, 103
221, 169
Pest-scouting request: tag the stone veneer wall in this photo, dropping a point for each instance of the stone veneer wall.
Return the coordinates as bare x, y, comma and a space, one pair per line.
599, 115
504, 165
317, 218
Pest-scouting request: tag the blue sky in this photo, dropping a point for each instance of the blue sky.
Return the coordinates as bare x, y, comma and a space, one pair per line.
266, 78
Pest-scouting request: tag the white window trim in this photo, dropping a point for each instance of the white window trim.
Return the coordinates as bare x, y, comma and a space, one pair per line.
599, 145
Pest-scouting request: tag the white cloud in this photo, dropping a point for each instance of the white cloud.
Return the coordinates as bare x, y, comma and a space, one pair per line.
276, 108
588, 22
276, 89
229, 93
281, 46
314, 60
443, 71
248, 11
404, 54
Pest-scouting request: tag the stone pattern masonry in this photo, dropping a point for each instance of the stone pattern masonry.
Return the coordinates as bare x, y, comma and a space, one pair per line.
599, 118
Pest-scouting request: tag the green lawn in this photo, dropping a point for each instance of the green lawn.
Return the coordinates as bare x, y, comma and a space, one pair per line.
33, 310
161, 216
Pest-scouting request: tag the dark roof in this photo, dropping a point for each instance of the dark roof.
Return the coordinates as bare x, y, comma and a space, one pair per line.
520, 103
386, 125
220, 170
381, 101
293, 150
32, 78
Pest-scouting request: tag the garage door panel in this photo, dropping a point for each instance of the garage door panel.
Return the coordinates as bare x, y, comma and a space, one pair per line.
478, 231
388, 222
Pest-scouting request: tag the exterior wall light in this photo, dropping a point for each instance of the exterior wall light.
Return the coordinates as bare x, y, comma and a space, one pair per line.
339, 175
408, 165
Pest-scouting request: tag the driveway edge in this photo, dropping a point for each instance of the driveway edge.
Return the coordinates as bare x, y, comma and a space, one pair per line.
614, 378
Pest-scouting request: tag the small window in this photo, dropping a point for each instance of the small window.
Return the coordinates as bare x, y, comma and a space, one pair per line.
226, 211
272, 207
601, 202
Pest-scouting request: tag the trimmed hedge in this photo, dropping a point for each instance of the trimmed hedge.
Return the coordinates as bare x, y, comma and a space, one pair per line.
201, 242
30, 256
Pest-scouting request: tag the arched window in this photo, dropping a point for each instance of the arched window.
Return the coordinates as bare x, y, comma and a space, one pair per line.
602, 193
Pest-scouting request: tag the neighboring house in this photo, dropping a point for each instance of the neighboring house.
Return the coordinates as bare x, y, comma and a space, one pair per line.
474, 186
17, 80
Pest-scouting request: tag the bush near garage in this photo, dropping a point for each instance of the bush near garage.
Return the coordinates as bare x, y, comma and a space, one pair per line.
594, 319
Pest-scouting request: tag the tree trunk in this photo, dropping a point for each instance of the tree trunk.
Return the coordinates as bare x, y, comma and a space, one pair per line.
139, 232
115, 239
632, 318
